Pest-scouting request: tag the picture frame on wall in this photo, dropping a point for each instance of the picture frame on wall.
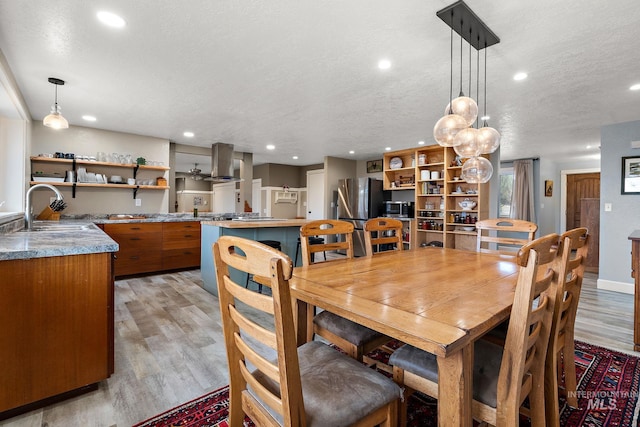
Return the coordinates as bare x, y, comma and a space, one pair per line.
374, 166
630, 175
548, 188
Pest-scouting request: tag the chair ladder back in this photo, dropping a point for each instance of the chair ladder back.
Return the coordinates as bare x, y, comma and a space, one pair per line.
326, 227
280, 369
490, 232
381, 226
573, 244
522, 367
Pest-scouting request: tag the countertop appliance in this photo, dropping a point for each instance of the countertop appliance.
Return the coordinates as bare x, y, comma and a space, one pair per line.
398, 209
359, 199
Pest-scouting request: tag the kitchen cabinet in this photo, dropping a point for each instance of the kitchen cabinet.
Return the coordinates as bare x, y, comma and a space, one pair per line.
140, 247
57, 335
180, 245
149, 247
60, 166
439, 192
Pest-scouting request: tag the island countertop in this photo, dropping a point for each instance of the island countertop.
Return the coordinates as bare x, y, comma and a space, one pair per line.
257, 223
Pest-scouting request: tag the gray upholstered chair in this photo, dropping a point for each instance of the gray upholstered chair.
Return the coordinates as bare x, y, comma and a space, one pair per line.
271, 380
503, 377
356, 340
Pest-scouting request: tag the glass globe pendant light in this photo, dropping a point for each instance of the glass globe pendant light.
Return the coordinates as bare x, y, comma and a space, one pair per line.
54, 119
464, 106
477, 170
467, 145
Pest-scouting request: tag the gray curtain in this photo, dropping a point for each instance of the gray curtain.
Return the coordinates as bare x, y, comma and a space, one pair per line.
522, 198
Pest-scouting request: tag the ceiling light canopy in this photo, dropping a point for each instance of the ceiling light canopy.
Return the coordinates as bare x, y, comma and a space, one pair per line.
55, 120
455, 129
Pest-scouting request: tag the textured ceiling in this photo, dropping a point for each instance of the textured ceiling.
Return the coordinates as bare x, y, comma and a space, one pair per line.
303, 75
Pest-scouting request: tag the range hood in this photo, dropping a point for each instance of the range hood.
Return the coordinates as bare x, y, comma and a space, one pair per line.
222, 163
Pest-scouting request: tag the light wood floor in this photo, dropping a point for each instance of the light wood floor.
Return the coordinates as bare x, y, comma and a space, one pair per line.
169, 349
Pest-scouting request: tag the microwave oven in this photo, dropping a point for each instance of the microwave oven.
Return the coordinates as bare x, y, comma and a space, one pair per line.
398, 209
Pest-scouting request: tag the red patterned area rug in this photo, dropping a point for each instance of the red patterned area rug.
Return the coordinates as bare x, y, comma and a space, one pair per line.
608, 388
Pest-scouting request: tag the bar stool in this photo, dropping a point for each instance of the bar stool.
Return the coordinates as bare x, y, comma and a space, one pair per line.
312, 241
271, 243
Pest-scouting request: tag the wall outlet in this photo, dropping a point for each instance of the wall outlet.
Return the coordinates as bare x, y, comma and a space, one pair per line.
138, 202
607, 207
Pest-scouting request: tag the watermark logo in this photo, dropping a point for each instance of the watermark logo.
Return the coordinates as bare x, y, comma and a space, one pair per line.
603, 400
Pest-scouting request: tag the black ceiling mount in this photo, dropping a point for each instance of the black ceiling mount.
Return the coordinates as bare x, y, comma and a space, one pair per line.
56, 81
466, 23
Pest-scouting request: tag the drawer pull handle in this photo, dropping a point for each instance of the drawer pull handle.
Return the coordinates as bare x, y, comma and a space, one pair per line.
134, 257
188, 235
135, 228
135, 238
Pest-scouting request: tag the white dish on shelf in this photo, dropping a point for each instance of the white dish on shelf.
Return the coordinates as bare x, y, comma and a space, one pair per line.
47, 179
395, 163
471, 228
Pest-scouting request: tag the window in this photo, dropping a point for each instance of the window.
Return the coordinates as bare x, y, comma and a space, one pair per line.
506, 191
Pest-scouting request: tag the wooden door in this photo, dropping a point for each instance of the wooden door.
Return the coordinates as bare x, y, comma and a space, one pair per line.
590, 218
580, 186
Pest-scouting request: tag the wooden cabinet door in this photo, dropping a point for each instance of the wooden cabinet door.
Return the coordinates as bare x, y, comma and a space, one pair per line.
180, 245
57, 326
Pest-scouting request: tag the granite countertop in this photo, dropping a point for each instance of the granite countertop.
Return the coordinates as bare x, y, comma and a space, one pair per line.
38, 244
257, 223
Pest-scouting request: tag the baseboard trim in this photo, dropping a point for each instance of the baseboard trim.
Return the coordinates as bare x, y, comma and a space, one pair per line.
610, 285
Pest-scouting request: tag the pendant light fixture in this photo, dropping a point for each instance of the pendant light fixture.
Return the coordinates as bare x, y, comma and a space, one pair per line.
468, 142
448, 126
54, 119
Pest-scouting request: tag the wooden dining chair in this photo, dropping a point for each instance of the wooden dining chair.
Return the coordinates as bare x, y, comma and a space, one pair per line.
272, 381
376, 233
503, 377
356, 340
561, 341
503, 235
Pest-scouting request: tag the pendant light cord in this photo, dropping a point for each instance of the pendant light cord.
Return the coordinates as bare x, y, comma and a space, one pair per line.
478, 83
485, 85
461, 92
451, 71
470, 63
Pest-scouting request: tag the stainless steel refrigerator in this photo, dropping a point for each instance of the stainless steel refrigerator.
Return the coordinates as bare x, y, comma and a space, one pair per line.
359, 199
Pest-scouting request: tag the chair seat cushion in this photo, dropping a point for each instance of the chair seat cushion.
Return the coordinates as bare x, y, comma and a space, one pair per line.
486, 368
337, 390
354, 333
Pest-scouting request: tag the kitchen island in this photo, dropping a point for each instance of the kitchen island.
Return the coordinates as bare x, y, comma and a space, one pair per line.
56, 308
286, 231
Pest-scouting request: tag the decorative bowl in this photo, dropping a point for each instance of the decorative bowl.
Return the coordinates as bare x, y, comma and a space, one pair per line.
467, 204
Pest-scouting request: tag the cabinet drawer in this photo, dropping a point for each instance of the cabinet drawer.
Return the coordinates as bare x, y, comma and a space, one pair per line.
133, 228
181, 235
148, 241
136, 261
181, 258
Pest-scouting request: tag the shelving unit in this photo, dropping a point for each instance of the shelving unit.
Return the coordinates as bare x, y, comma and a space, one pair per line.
438, 190
63, 165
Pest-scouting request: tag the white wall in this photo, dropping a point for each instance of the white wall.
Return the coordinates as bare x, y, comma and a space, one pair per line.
87, 141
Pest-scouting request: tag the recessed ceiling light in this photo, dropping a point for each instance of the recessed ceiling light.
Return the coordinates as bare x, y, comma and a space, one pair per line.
110, 19
420, 142
520, 76
351, 152
384, 64
271, 147
295, 157
387, 149
89, 118
485, 117
189, 134
635, 87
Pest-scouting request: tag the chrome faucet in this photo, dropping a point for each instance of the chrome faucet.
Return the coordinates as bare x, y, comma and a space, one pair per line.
27, 214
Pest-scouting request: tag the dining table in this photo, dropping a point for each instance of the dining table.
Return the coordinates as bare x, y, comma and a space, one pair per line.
440, 300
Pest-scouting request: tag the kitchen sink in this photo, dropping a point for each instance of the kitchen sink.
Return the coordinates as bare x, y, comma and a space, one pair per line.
60, 227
